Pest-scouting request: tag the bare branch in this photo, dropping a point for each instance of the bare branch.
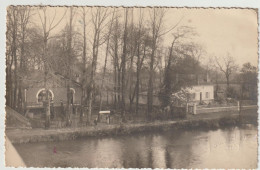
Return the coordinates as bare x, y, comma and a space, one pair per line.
172, 27
51, 28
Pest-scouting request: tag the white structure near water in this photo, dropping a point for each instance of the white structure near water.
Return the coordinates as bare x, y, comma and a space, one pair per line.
202, 93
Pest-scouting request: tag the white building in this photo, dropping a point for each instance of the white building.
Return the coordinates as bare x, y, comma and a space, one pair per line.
202, 93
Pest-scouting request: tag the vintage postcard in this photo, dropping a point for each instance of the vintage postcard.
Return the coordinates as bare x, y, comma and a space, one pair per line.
131, 87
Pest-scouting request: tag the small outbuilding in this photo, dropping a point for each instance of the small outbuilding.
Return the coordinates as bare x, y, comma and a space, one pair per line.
202, 93
34, 92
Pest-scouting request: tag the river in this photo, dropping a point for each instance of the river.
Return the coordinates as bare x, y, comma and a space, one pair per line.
223, 148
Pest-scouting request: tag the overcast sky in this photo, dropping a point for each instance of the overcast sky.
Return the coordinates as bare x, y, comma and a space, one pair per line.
226, 30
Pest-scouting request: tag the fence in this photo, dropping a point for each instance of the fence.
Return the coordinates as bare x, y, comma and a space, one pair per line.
197, 110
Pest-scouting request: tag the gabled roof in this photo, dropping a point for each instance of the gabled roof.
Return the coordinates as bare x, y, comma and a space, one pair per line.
37, 76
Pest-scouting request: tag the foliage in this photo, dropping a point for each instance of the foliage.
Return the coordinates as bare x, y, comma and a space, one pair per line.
232, 92
248, 81
182, 97
183, 73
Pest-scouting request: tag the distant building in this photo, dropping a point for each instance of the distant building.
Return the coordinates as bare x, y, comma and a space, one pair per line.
200, 91
57, 85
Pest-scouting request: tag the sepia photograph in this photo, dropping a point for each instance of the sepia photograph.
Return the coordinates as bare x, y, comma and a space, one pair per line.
131, 87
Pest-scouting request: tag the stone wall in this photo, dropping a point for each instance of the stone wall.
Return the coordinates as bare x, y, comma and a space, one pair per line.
15, 119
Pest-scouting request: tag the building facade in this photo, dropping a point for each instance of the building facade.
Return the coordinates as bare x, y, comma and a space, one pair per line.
202, 93
57, 86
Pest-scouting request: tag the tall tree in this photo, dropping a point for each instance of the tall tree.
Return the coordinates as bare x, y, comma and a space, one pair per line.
106, 56
166, 91
69, 62
132, 49
227, 67
84, 60
25, 15
47, 26
116, 60
99, 15
156, 21
12, 29
123, 90
248, 80
141, 41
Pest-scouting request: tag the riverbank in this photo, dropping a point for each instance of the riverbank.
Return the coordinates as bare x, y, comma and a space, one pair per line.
204, 121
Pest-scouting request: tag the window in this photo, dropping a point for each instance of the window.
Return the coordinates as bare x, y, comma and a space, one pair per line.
72, 93
207, 95
194, 96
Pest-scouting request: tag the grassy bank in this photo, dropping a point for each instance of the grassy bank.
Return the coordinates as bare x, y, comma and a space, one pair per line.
209, 121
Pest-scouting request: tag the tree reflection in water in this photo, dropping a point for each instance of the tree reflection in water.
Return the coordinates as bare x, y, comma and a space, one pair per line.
171, 149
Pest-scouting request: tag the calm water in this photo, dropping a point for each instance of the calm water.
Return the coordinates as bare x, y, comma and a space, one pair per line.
228, 148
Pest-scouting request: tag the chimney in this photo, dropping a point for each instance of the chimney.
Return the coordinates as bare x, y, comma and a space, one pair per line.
207, 78
198, 79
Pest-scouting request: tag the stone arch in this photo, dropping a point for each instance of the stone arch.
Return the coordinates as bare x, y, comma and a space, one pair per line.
41, 90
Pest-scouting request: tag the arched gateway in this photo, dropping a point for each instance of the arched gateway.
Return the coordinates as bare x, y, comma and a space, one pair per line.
41, 94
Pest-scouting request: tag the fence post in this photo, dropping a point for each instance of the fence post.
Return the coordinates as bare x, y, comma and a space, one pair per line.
194, 109
238, 106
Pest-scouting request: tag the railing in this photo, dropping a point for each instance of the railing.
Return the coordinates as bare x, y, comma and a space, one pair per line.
221, 109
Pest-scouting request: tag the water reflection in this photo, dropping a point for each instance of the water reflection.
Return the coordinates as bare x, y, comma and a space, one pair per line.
228, 148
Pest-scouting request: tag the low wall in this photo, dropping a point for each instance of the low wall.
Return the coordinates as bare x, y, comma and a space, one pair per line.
223, 109
15, 119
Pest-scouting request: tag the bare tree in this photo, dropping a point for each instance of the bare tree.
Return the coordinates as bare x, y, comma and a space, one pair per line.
141, 39
106, 56
132, 49
228, 67
25, 15
116, 53
99, 16
12, 29
69, 62
124, 66
84, 59
47, 26
156, 21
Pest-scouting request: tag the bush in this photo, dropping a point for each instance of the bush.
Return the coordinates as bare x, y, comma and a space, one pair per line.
232, 93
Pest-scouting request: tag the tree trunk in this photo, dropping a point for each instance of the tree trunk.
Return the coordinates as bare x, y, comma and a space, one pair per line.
47, 103
150, 88
150, 84
227, 77
97, 21
123, 90
83, 94
14, 49
115, 87
69, 71
105, 65
103, 76
22, 69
